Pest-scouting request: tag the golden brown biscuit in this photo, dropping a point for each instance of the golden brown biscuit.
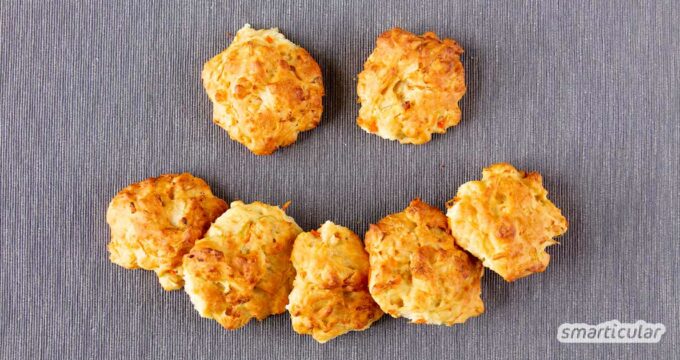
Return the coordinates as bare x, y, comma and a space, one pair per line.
330, 293
418, 272
156, 221
265, 90
410, 87
241, 269
506, 220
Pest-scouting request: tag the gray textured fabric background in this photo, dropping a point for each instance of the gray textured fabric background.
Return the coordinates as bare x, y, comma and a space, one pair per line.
99, 94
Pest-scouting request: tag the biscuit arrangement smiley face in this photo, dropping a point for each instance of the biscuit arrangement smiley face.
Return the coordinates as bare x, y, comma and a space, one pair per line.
251, 261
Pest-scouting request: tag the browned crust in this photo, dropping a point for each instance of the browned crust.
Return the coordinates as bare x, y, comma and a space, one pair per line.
418, 272
265, 90
410, 87
241, 268
156, 221
506, 220
330, 294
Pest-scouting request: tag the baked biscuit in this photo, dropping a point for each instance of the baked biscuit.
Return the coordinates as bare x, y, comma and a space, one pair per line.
410, 87
241, 269
418, 272
506, 220
265, 90
330, 293
156, 221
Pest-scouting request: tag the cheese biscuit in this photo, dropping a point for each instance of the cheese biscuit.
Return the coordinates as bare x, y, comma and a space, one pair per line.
417, 270
156, 221
330, 293
410, 87
506, 220
241, 268
264, 89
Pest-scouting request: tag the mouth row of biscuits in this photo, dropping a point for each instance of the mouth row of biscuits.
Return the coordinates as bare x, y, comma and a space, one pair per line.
265, 89
247, 261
